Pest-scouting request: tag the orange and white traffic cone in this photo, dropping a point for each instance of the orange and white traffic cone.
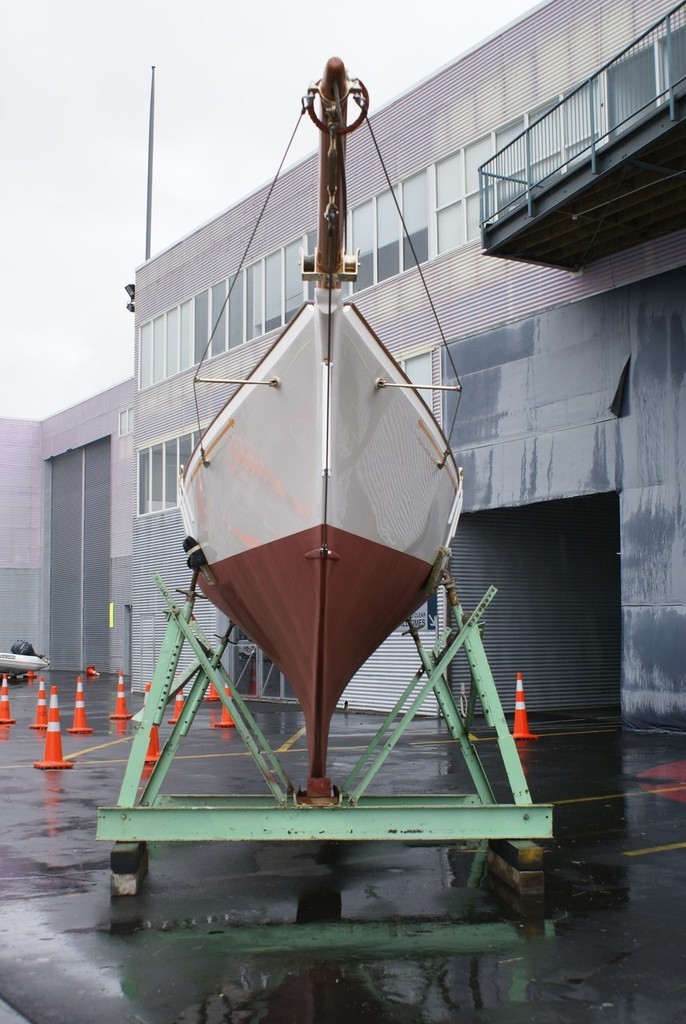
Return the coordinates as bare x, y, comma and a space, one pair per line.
521, 719
120, 712
52, 757
211, 694
178, 708
80, 726
41, 721
153, 754
5, 714
226, 721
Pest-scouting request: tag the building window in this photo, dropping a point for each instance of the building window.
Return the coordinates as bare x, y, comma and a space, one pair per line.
416, 221
158, 349
144, 481
387, 236
253, 301
171, 472
363, 239
293, 279
201, 325
158, 473
449, 203
145, 360
273, 291
236, 306
419, 369
474, 156
172, 346
125, 422
186, 339
219, 318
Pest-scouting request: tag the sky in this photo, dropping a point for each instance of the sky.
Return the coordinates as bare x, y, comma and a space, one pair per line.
74, 115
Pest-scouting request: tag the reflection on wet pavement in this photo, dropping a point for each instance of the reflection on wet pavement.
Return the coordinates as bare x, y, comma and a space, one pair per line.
337, 932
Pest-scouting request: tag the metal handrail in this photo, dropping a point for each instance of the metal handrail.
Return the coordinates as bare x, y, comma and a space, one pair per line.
594, 113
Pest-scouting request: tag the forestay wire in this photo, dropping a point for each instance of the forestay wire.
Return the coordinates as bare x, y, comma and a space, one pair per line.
421, 274
235, 278
360, 100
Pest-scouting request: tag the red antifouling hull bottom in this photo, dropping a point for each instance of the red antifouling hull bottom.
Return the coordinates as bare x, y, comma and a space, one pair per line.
319, 614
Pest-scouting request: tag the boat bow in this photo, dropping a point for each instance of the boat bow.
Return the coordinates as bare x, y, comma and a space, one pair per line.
323, 504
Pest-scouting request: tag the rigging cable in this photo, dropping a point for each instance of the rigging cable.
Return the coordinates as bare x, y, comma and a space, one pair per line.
421, 273
235, 279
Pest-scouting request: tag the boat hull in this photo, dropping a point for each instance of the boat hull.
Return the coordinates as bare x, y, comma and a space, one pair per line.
21, 665
321, 505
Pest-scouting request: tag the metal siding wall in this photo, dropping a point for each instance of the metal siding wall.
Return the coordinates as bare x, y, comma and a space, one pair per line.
557, 615
66, 582
20, 603
381, 680
157, 549
96, 554
121, 597
20, 495
542, 54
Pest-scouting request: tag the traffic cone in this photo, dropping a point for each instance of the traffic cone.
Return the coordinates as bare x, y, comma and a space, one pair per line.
5, 714
178, 708
521, 720
52, 757
120, 712
226, 721
211, 694
41, 708
80, 726
154, 751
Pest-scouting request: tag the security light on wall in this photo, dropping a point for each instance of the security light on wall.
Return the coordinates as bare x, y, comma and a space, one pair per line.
130, 290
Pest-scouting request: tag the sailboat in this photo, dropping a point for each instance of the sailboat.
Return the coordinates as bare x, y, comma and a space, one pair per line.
322, 499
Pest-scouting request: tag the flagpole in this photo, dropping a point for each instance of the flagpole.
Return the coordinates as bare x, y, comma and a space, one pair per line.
151, 134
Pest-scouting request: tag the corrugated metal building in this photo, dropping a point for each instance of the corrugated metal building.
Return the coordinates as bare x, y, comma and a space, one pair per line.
65, 552
570, 426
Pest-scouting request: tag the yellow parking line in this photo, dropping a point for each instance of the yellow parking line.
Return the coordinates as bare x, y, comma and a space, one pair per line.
655, 849
643, 791
289, 743
100, 746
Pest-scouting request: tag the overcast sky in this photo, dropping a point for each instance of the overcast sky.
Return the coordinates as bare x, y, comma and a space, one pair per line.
75, 91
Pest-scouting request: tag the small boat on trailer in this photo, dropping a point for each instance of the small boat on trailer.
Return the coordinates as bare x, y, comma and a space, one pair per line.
322, 499
21, 659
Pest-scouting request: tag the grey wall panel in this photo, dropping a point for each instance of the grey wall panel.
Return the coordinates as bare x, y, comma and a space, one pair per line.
122, 494
20, 603
66, 561
20, 494
90, 421
80, 557
121, 596
96, 554
538, 431
653, 695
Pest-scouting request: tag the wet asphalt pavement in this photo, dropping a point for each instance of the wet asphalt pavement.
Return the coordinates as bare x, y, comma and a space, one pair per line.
342, 932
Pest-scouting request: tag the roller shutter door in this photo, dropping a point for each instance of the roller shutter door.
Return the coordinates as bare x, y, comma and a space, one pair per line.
557, 615
80, 558
96, 554
66, 532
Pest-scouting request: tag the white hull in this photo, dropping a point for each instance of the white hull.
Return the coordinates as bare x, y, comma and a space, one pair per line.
21, 665
325, 446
